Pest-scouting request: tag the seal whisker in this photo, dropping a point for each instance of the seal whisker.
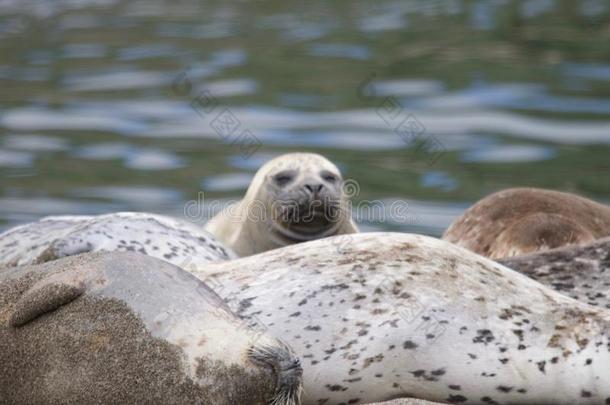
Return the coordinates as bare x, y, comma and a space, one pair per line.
287, 368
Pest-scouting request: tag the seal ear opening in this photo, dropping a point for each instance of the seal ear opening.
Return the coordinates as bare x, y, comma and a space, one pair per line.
287, 369
40, 300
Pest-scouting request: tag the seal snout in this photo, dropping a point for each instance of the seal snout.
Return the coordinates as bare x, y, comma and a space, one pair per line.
314, 189
287, 370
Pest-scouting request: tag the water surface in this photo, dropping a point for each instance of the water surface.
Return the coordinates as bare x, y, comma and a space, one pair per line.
113, 105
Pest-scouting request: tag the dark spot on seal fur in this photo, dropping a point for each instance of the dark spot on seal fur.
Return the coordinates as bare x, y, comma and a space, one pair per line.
335, 387
484, 336
456, 399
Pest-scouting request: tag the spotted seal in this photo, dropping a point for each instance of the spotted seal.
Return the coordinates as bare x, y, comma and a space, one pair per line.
581, 272
525, 220
293, 198
127, 328
397, 315
169, 239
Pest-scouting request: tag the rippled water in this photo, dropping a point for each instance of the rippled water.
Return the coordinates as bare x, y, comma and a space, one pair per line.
112, 105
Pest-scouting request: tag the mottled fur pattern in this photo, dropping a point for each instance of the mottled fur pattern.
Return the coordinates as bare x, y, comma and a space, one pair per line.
398, 315
581, 272
174, 241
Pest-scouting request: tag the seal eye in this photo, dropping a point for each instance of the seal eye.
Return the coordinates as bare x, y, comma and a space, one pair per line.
283, 178
329, 177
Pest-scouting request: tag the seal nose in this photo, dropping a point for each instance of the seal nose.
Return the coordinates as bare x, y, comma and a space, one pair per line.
314, 188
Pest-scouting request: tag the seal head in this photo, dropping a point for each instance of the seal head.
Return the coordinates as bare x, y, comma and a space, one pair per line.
294, 198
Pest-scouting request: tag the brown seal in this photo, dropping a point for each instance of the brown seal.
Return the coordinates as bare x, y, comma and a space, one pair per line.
127, 328
523, 220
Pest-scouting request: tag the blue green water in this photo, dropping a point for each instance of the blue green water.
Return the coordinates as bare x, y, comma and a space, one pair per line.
141, 105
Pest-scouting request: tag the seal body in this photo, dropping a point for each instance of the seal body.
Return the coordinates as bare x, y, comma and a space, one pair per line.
377, 316
581, 272
525, 220
127, 328
293, 198
178, 242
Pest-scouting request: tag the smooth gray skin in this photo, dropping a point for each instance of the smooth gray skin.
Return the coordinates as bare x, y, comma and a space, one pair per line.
127, 328
581, 272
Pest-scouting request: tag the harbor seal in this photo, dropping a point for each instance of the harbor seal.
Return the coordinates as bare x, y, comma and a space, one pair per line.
169, 239
127, 328
293, 198
397, 315
581, 272
524, 220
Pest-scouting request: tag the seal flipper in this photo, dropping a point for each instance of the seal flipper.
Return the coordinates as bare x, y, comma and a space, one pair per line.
47, 298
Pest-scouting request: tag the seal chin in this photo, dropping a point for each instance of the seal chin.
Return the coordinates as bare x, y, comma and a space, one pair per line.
286, 368
306, 219
285, 233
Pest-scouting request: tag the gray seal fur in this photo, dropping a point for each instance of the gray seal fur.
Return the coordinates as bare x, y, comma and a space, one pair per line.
169, 239
581, 272
396, 315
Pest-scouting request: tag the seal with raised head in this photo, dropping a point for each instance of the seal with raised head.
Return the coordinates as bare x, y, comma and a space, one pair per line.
293, 198
172, 240
524, 220
581, 272
396, 315
127, 328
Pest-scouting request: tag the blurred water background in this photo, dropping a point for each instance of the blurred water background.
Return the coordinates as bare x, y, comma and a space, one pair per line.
110, 105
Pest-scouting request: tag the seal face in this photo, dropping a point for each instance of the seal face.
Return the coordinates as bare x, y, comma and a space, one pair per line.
397, 315
127, 328
177, 242
581, 272
294, 198
525, 220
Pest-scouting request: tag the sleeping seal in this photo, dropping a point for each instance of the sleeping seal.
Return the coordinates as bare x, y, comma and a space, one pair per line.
398, 315
127, 328
525, 220
169, 239
293, 198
